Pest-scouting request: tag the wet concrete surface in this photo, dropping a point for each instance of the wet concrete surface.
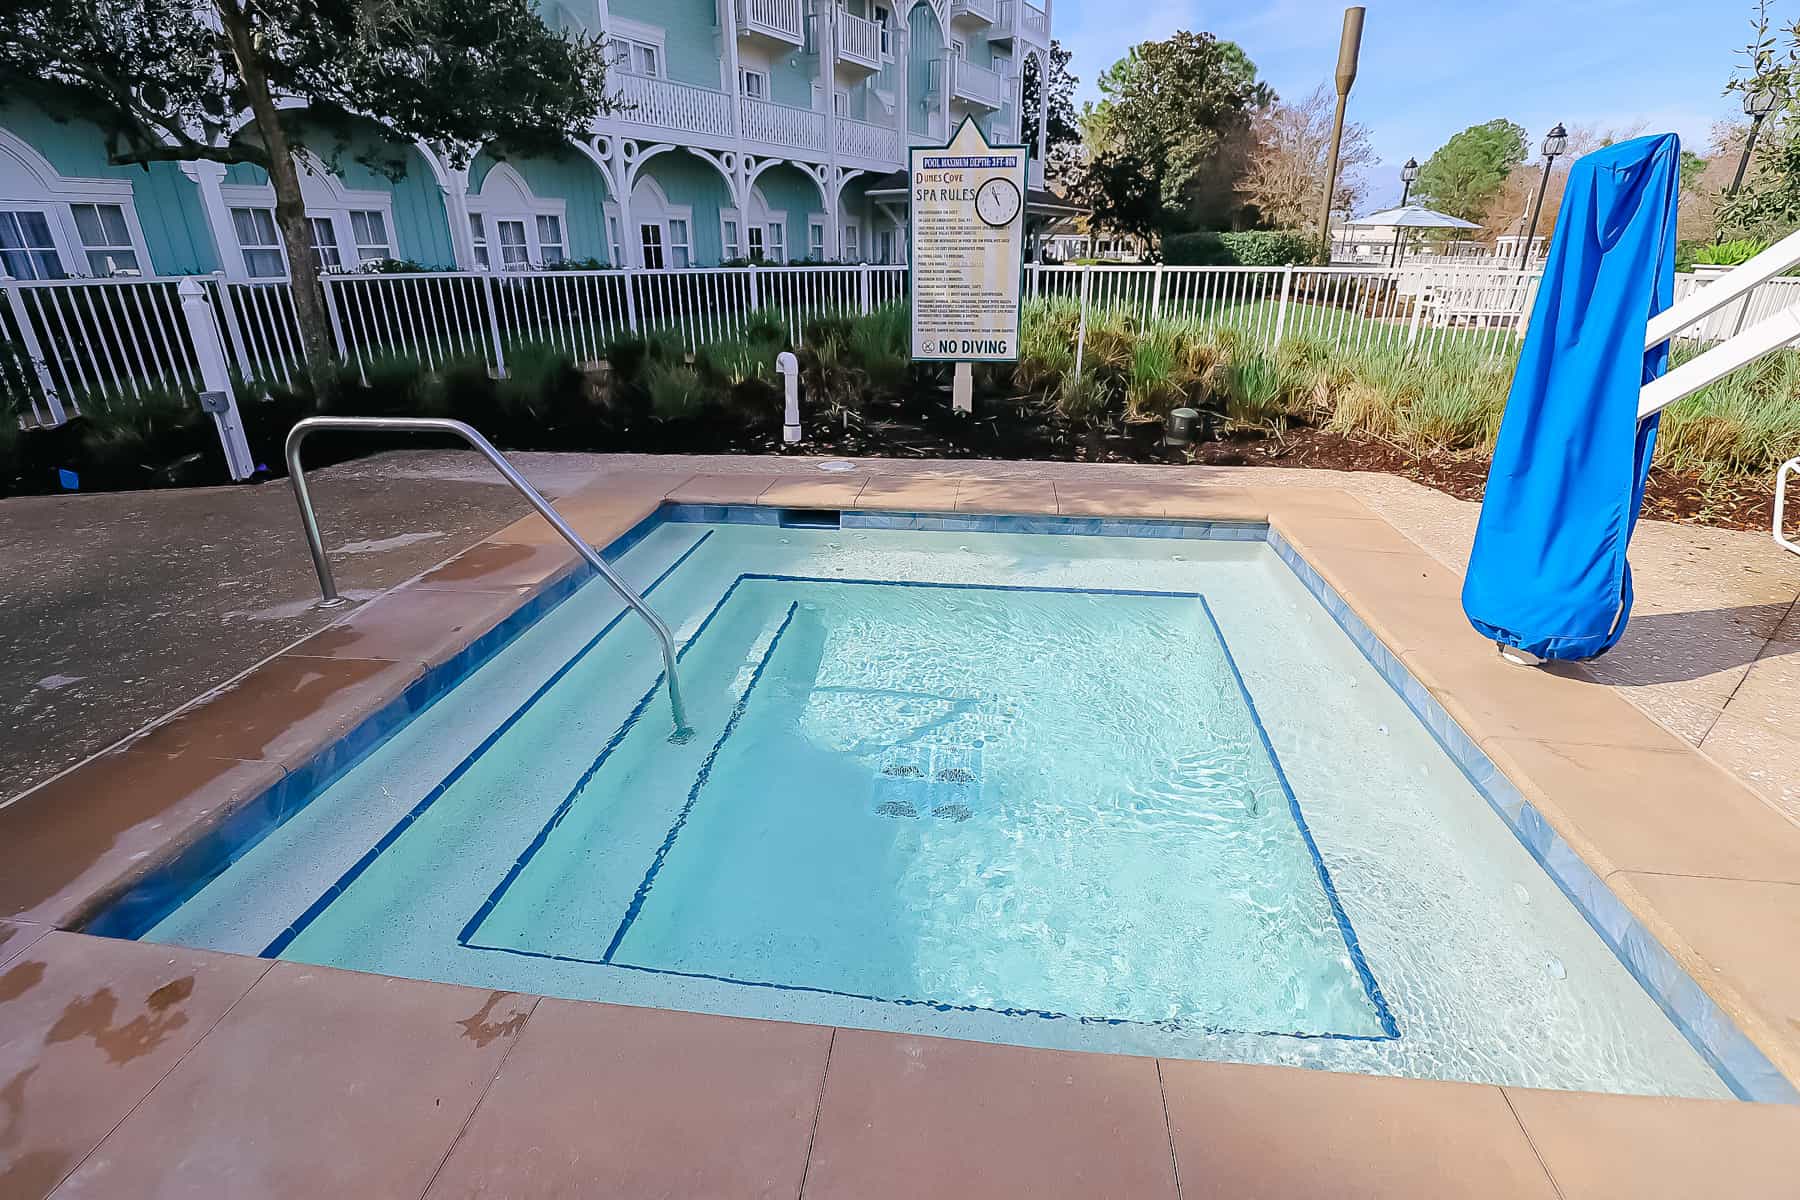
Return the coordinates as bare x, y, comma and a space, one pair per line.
117, 607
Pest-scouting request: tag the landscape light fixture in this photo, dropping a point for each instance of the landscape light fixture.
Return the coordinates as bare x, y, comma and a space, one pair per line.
1759, 102
1409, 171
1555, 142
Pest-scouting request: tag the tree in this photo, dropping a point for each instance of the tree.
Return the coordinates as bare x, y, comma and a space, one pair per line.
262, 81
1062, 142
1289, 158
1168, 139
1466, 173
1510, 209
1768, 203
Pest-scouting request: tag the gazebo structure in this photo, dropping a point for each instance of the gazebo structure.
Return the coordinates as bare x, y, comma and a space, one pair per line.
1408, 217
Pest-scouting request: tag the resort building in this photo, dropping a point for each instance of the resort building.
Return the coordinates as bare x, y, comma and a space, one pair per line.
742, 130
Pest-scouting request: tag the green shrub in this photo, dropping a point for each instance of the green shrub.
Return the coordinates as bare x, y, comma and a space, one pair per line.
1270, 247
1251, 248
1747, 423
676, 392
156, 437
1729, 254
1204, 249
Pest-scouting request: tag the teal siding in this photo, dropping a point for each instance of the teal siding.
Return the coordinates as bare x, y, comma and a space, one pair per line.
787, 188
791, 79
479, 166
926, 46
421, 225
167, 201
571, 178
691, 35
693, 182
567, 177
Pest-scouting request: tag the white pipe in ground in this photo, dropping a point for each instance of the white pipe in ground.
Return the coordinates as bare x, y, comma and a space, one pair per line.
789, 368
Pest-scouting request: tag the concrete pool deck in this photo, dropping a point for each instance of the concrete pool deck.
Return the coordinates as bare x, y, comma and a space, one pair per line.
128, 1068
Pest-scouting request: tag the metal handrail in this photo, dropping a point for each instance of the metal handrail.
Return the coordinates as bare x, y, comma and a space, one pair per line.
468, 433
1790, 467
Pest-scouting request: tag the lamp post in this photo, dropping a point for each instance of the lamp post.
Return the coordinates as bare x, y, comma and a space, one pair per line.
1554, 143
1759, 102
1408, 172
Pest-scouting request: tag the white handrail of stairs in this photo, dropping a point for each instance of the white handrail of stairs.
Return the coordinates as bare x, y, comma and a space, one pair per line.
1767, 335
1723, 290
1790, 467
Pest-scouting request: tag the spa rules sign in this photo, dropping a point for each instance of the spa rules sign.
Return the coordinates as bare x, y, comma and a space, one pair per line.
968, 249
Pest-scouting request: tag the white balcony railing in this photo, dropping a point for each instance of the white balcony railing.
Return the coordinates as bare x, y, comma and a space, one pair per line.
779, 20
669, 105
1016, 18
862, 140
969, 83
859, 41
982, 11
783, 125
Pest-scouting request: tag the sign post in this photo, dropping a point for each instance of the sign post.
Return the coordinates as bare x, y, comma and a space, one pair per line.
968, 254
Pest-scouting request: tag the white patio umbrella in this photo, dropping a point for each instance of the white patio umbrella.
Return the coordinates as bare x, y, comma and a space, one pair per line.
1409, 216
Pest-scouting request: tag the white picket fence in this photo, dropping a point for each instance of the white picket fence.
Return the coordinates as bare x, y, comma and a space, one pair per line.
79, 342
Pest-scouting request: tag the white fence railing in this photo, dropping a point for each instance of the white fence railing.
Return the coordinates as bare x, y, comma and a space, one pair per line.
783, 125
859, 40
1763, 302
966, 81
861, 139
83, 342
1015, 18
1339, 307
670, 105
780, 19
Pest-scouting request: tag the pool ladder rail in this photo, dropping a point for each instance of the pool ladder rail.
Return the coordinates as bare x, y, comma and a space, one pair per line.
328, 586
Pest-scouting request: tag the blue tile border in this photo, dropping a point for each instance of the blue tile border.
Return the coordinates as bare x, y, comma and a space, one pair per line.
195, 864
1736, 1059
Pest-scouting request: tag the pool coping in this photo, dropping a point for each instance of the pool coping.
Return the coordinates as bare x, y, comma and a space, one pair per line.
1672, 925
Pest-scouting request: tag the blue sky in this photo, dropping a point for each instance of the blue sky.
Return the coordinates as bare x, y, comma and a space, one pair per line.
1431, 69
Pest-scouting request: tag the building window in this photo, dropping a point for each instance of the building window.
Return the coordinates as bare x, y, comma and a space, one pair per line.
758, 251
368, 229
478, 240
637, 58
815, 240
106, 239
840, 102
753, 84
257, 241
852, 244
324, 244
886, 253
26, 246
881, 19
730, 245
515, 252
777, 242
650, 237
550, 239
612, 240
679, 243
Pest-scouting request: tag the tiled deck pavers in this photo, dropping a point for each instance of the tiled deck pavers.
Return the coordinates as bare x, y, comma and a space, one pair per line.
183, 1073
